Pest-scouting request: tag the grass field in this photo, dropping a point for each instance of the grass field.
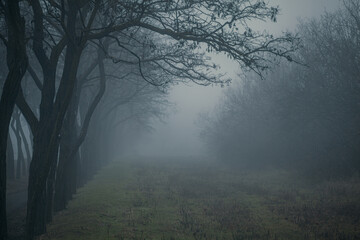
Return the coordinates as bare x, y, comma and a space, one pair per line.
192, 199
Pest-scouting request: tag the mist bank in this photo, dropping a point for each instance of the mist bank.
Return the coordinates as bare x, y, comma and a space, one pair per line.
300, 116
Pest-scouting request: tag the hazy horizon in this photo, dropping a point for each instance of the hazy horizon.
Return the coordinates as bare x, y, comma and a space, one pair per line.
180, 133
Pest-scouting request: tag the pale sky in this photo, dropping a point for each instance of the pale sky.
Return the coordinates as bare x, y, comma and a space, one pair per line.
180, 135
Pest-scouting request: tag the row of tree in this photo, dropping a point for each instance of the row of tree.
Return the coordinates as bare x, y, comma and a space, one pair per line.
77, 160
61, 54
18, 148
303, 117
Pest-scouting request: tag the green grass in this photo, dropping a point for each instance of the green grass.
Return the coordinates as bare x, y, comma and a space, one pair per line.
194, 199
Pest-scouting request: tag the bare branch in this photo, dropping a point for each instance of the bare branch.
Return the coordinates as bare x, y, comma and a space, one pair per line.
27, 112
35, 77
92, 107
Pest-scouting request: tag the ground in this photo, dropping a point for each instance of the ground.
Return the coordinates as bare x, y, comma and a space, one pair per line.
197, 199
16, 197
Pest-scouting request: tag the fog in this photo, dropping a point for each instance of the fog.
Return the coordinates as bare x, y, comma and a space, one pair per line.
180, 120
179, 135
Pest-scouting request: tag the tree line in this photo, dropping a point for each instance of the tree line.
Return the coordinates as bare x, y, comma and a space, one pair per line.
303, 117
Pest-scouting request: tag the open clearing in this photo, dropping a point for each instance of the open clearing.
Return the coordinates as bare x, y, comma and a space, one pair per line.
193, 199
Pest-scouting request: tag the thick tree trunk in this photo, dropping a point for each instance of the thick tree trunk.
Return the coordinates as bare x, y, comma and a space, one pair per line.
50, 187
17, 63
65, 184
40, 220
37, 181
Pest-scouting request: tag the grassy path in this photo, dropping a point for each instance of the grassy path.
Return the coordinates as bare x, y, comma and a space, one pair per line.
191, 199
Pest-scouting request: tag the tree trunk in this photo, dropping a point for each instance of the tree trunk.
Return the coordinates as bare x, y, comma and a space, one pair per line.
10, 160
82, 164
50, 187
20, 164
18, 168
66, 182
27, 150
46, 142
66, 178
66, 172
37, 181
17, 63
30, 147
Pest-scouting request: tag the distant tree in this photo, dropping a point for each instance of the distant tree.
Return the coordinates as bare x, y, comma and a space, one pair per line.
304, 117
18, 132
333, 54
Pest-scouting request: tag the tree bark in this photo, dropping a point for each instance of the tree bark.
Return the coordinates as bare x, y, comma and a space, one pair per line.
17, 63
50, 187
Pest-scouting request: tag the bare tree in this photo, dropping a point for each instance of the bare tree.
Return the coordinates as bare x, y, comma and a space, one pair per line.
17, 63
181, 30
304, 117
